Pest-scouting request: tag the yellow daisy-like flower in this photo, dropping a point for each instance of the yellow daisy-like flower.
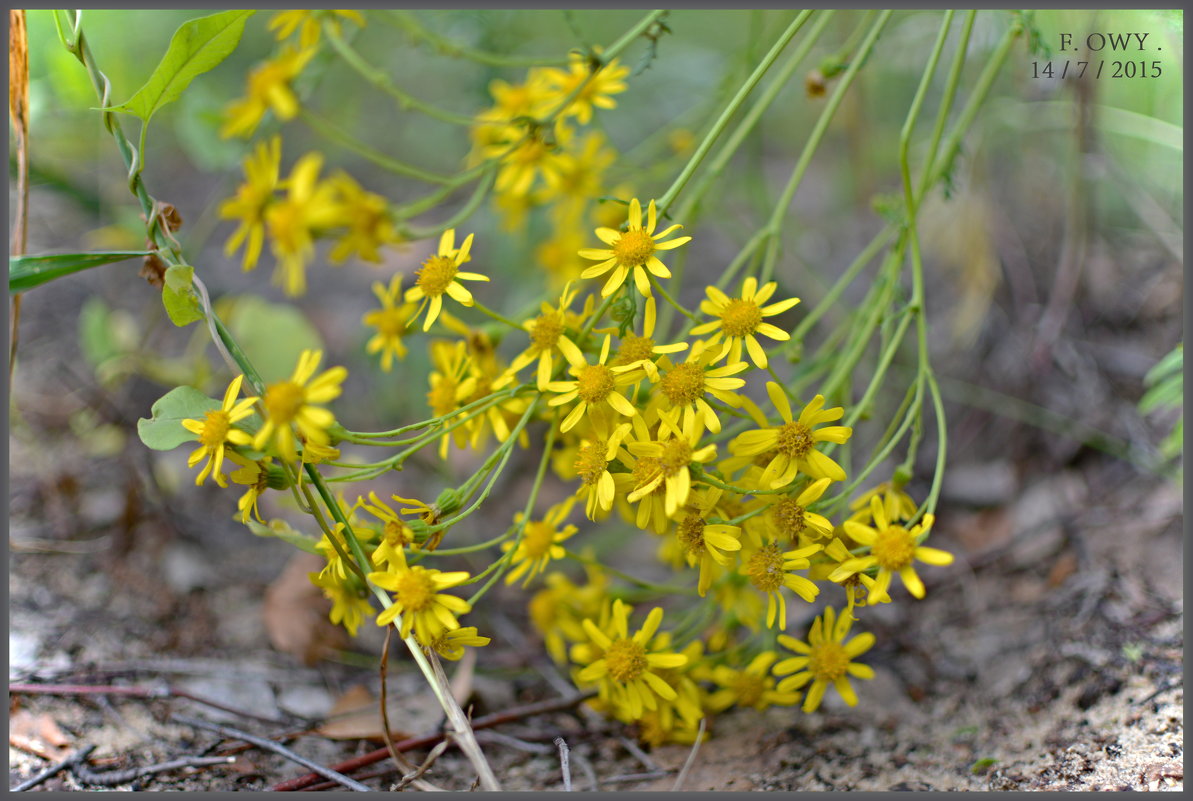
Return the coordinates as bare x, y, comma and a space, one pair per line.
854, 584
548, 334
539, 543
825, 659
331, 549
770, 569
741, 319
510, 101
632, 251
789, 518
440, 274
897, 503
893, 548
254, 475
310, 205
684, 385
395, 534
419, 600
670, 459
794, 442
216, 431
451, 644
349, 608
285, 23
704, 543
526, 155
635, 348
367, 217
390, 321
592, 466
598, 85
596, 385
292, 402
751, 686
625, 668
268, 88
451, 386
252, 199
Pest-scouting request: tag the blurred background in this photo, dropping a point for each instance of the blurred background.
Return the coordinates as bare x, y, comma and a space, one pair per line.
1055, 288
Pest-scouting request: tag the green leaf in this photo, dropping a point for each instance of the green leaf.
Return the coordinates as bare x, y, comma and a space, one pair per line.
281, 529
196, 47
272, 335
164, 431
178, 296
26, 272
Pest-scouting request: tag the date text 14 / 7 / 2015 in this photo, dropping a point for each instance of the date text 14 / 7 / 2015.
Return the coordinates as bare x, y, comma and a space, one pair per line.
1109, 69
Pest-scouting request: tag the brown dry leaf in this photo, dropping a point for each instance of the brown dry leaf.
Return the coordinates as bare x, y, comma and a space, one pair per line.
984, 531
295, 612
1064, 566
356, 715
37, 734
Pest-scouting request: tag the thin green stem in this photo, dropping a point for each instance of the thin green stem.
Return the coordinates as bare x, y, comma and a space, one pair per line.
476, 304
348, 142
407, 21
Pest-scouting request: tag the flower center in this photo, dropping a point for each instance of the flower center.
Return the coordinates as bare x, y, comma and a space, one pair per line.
741, 317
765, 568
288, 227
691, 534
749, 688
283, 400
538, 538
594, 383
590, 462
646, 469
436, 275
788, 517
634, 349
546, 331
215, 428
416, 591
677, 454
828, 660
397, 534
634, 248
894, 548
683, 385
795, 439
626, 660
391, 322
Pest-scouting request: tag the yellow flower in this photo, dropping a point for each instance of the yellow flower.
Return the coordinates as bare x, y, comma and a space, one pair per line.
579, 178
331, 549
635, 348
440, 274
596, 385
632, 251
794, 442
854, 583
417, 598
825, 659
451, 386
269, 88
539, 543
897, 503
592, 466
512, 101
770, 569
741, 319
309, 205
625, 668
548, 334
395, 534
255, 475
789, 518
669, 459
450, 644
368, 220
291, 401
348, 607
706, 543
216, 430
750, 686
556, 610
284, 23
526, 155
599, 82
892, 549
684, 385
252, 199
390, 321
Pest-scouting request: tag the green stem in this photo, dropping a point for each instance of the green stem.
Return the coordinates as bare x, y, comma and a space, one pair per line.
331, 132
498, 317
407, 21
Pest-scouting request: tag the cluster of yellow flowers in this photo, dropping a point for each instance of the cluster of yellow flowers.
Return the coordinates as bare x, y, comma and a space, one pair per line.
660, 429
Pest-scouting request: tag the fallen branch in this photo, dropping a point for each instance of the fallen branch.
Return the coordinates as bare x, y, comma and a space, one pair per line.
70, 761
562, 745
112, 778
488, 721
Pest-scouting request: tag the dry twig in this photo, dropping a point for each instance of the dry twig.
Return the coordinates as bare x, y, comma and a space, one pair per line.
683, 773
70, 761
563, 764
